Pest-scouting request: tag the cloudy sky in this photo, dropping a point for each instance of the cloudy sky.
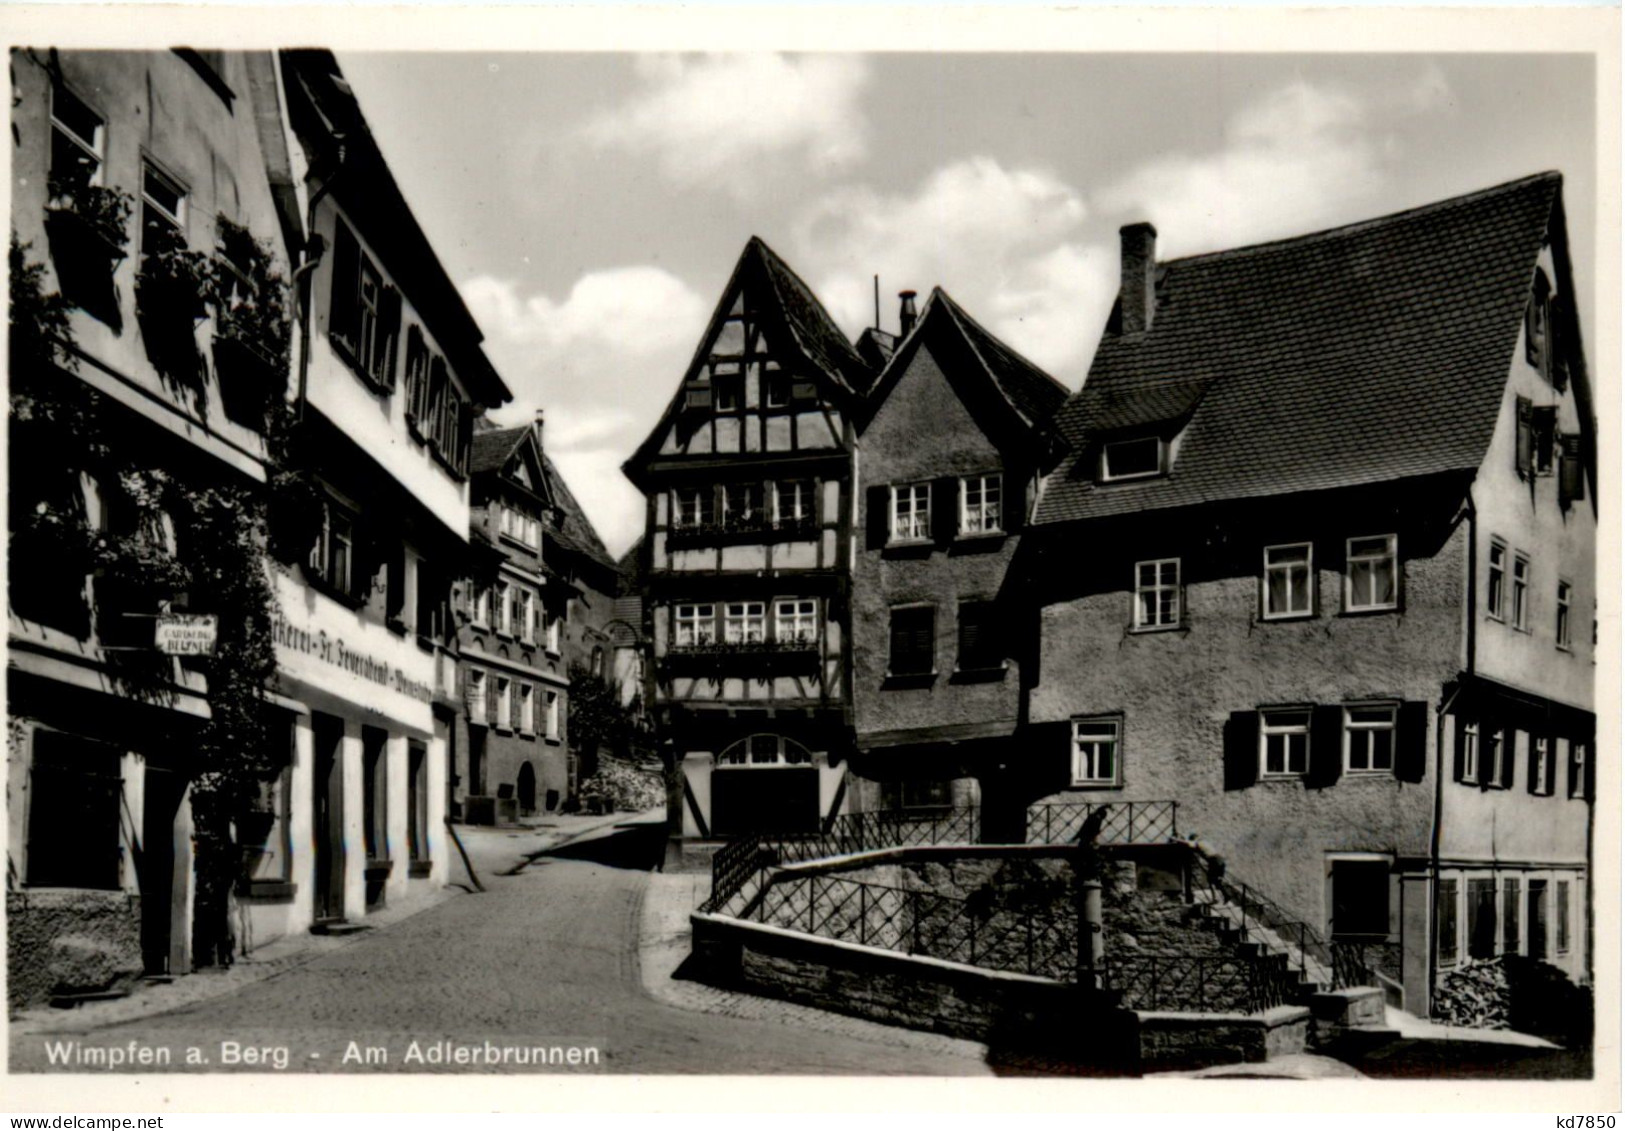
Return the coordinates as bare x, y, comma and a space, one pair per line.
591, 206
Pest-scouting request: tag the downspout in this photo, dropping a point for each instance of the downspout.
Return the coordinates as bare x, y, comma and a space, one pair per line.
312, 255
1470, 639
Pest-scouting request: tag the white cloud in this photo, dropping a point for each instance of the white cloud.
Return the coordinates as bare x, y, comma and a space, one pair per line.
1300, 158
1005, 243
602, 363
714, 119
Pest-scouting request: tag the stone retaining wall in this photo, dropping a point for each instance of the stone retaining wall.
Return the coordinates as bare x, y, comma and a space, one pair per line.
70, 941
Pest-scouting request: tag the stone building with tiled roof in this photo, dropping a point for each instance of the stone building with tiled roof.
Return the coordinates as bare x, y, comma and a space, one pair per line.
1319, 565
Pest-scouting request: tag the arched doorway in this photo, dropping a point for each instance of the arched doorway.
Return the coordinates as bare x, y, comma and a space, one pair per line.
764, 783
527, 789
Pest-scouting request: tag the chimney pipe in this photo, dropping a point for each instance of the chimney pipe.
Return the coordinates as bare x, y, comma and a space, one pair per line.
539, 415
906, 314
1138, 297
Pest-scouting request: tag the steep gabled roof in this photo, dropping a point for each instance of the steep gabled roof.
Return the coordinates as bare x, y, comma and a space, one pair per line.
1032, 395
575, 530
794, 319
491, 449
1372, 352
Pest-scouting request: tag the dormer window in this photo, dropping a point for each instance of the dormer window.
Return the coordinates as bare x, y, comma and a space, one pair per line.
1139, 458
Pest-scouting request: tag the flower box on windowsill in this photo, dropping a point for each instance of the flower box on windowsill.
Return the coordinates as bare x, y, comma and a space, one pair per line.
754, 659
740, 533
85, 257
420, 868
250, 381
906, 680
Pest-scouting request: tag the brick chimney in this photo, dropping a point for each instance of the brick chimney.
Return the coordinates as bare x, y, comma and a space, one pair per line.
906, 314
1138, 297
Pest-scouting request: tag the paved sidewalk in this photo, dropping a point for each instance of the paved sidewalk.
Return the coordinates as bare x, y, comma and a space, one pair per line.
664, 942
493, 851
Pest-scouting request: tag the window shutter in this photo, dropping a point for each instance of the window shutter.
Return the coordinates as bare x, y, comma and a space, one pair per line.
876, 516
389, 317
973, 636
468, 694
1571, 471
1509, 754
1458, 769
925, 638
344, 311
1557, 323
1411, 743
1240, 749
1325, 747
944, 508
1544, 423
491, 715
1525, 453
1012, 503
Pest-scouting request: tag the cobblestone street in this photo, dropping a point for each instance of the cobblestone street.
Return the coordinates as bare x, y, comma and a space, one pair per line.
546, 957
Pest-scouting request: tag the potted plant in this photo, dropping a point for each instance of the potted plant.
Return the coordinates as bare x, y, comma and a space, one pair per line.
251, 326
170, 290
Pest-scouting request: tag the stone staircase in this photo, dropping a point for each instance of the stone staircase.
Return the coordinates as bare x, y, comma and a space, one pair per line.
1248, 935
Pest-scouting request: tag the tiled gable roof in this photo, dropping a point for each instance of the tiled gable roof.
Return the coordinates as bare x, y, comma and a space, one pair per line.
1372, 352
816, 334
490, 450
1031, 392
576, 530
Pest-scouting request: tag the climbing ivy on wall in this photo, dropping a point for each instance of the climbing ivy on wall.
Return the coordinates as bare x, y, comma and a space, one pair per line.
177, 539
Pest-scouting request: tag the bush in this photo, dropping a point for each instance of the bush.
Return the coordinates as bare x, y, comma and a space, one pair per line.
1514, 992
620, 787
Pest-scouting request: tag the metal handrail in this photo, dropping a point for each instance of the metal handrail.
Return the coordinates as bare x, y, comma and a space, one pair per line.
1126, 822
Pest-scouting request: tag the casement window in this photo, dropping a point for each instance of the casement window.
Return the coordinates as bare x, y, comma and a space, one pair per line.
911, 512
1371, 581
1535, 901
74, 792
981, 502
527, 709
417, 383
1096, 752
1497, 757
163, 211
1139, 458
1483, 934
1520, 592
374, 793
693, 507
1368, 738
474, 696
696, 625
729, 392
744, 622
1541, 767
525, 617
1561, 913
1157, 594
742, 506
480, 611
552, 720
1511, 915
332, 558
1469, 754
1283, 743
1577, 771
1543, 424
916, 794
504, 697
555, 629
78, 142
792, 502
1445, 922
913, 641
776, 389
1495, 582
979, 648
1289, 573
795, 621
504, 608
365, 322
1565, 603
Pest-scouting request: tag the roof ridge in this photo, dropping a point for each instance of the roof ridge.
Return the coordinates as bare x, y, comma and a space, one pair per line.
1357, 226
776, 263
959, 312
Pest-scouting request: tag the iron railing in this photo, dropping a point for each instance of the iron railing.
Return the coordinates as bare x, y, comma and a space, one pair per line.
743, 857
1202, 983
1126, 822
1343, 965
926, 923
